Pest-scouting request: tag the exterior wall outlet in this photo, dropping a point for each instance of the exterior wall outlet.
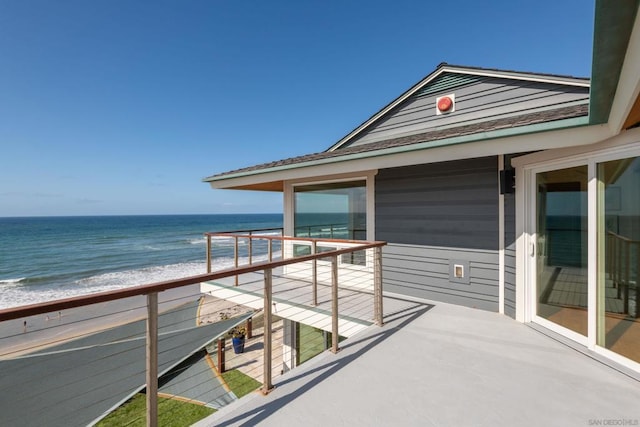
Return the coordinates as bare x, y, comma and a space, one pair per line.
458, 271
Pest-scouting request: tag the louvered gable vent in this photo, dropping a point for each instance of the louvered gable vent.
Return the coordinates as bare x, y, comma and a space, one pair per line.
446, 83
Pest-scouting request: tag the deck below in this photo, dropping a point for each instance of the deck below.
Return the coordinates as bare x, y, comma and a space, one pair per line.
292, 299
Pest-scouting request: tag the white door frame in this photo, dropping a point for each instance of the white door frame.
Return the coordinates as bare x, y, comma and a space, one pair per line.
622, 146
532, 231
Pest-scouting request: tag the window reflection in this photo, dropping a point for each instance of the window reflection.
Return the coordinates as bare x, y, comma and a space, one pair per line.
562, 248
619, 256
331, 211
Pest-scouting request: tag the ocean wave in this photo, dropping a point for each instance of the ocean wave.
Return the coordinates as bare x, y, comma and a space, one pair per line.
41, 291
38, 291
11, 281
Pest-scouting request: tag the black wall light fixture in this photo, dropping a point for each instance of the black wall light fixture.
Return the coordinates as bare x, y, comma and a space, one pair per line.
507, 181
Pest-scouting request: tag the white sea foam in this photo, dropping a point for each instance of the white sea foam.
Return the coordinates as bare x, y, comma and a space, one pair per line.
11, 281
13, 296
268, 233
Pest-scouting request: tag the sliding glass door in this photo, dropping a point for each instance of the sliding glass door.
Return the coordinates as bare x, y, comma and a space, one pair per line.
585, 254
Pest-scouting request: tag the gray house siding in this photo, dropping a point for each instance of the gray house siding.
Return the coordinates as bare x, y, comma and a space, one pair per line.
477, 99
434, 216
510, 255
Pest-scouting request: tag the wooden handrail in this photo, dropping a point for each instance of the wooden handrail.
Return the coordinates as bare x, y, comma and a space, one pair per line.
288, 238
100, 297
212, 233
619, 237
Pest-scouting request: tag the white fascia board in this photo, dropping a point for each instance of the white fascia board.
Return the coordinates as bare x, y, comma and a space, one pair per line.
611, 144
514, 75
629, 83
422, 153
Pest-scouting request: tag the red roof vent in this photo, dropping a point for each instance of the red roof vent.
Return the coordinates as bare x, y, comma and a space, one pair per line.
445, 104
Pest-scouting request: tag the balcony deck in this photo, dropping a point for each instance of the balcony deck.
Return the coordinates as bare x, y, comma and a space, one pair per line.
439, 364
292, 299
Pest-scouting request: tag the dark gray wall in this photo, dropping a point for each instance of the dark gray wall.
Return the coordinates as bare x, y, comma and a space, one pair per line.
510, 255
434, 215
476, 99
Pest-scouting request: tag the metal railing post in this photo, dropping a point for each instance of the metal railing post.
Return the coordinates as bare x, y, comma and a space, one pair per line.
334, 304
270, 249
250, 248
208, 253
314, 274
268, 320
235, 256
377, 285
221, 361
618, 267
608, 251
637, 280
152, 359
627, 276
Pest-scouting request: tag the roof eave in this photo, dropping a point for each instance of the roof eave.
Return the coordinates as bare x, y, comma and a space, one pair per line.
614, 23
245, 179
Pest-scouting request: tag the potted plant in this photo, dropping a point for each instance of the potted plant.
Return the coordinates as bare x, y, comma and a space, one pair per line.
237, 335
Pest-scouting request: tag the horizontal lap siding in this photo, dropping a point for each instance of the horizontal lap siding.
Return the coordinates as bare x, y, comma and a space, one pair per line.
432, 215
487, 98
425, 274
510, 255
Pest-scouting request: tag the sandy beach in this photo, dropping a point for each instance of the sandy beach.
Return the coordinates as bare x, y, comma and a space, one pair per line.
54, 328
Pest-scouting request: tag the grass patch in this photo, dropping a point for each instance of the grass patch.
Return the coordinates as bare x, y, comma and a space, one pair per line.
240, 383
312, 341
171, 413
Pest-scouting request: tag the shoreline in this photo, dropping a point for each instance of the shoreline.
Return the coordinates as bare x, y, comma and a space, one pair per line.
51, 329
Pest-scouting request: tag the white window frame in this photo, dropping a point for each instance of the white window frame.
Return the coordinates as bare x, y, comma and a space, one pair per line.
368, 177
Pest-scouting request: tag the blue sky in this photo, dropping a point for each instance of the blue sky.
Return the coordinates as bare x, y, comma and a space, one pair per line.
122, 107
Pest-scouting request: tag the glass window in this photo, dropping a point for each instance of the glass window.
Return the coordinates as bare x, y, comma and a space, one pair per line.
331, 211
619, 256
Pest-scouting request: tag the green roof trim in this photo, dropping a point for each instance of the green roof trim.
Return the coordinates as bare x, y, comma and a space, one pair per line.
613, 24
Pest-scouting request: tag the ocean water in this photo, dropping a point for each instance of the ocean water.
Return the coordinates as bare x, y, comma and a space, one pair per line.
47, 258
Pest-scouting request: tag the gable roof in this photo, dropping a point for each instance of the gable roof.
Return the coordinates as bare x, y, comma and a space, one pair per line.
433, 82
443, 78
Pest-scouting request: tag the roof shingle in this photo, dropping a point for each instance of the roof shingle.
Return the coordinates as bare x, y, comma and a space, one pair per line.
433, 135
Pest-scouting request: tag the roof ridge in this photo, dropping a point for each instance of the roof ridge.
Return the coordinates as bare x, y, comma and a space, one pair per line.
500, 70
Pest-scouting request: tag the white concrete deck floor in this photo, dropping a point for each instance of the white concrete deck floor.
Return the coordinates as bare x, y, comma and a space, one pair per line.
444, 365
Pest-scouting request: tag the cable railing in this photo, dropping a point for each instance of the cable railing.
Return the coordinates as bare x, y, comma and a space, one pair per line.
75, 361
623, 269
330, 231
